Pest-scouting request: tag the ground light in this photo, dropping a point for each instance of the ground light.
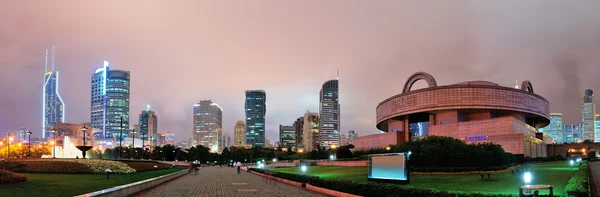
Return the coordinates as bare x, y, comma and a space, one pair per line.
331, 157
274, 160
527, 178
571, 162
303, 168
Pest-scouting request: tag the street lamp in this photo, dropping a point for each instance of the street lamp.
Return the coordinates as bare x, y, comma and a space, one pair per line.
133, 143
10, 139
29, 143
83, 129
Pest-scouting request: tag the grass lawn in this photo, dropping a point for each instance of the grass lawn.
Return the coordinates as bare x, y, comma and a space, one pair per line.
556, 174
73, 184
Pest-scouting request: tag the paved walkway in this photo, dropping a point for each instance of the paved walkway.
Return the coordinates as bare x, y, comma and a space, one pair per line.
217, 181
595, 176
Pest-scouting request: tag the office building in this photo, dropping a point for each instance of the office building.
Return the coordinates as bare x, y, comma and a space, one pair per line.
22, 135
299, 128
555, 128
311, 131
256, 110
170, 138
52, 104
573, 133
161, 139
149, 126
287, 136
239, 133
226, 141
351, 136
208, 125
588, 114
110, 102
329, 111
597, 124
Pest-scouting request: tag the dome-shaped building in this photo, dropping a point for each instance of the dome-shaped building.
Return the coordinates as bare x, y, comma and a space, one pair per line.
473, 111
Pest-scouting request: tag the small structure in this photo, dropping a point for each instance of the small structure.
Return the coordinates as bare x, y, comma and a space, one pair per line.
528, 188
391, 167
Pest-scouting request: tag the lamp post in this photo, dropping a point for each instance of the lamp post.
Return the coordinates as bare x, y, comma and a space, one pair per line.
133, 143
53, 131
83, 129
29, 143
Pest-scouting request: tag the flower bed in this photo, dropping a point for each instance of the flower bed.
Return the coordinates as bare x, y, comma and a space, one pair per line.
145, 166
70, 166
11, 177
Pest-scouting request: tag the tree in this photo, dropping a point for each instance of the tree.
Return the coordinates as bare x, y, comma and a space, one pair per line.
343, 152
588, 141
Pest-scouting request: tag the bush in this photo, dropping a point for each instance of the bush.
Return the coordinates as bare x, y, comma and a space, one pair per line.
99, 166
371, 189
11, 177
41, 166
145, 166
343, 152
578, 184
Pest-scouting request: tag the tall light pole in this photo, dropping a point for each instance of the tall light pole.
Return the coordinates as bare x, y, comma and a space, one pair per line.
10, 139
29, 143
133, 143
83, 129
53, 131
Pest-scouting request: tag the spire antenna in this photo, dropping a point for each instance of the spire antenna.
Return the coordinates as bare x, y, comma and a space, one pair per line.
52, 58
338, 74
46, 63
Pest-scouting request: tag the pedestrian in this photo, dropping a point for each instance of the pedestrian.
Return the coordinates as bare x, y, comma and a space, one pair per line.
238, 165
191, 167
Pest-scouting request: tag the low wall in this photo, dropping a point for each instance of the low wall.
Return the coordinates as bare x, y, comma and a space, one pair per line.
361, 163
329, 192
134, 188
294, 183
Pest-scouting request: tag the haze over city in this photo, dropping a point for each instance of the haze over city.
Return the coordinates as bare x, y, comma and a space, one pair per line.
180, 53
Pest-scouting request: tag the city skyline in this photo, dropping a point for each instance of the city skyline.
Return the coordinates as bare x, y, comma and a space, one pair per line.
480, 40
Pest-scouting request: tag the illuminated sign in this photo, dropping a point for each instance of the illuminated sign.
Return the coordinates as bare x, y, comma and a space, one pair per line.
477, 138
391, 167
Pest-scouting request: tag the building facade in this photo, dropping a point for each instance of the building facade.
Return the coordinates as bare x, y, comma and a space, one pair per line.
555, 128
597, 122
287, 136
149, 126
22, 135
299, 129
311, 131
226, 141
329, 111
375, 141
256, 109
52, 104
110, 102
170, 138
208, 125
351, 136
473, 111
239, 133
588, 114
573, 133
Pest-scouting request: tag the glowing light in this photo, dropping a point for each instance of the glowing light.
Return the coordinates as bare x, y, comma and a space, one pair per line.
527, 178
19, 144
300, 151
274, 159
571, 162
333, 146
0, 143
10, 139
331, 157
48, 73
51, 142
388, 148
303, 168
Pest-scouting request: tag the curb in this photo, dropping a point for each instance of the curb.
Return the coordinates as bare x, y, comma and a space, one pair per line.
136, 187
307, 186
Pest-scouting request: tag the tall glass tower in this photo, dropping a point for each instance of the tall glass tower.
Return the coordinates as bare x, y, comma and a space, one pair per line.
588, 114
208, 125
149, 126
329, 110
110, 102
256, 110
555, 128
53, 106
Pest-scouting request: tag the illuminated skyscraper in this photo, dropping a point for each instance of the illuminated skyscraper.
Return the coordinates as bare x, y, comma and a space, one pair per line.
555, 128
573, 133
588, 114
149, 126
208, 125
311, 132
329, 111
110, 102
53, 106
240, 134
287, 136
256, 110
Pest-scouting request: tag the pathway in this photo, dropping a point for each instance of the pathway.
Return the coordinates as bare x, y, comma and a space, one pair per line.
217, 181
595, 176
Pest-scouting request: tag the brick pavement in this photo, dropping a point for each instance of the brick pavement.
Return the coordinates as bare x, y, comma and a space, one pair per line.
217, 181
595, 176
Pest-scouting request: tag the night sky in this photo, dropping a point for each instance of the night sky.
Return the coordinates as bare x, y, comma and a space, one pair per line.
180, 53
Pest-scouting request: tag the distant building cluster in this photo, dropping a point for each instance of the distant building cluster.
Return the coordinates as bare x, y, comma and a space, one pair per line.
587, 130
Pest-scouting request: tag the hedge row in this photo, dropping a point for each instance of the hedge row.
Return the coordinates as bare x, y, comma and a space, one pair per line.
145, 166
458, 169
371, 189
11, 177
68, 166
578, 184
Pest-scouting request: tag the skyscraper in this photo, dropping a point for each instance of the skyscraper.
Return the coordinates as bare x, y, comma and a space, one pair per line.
351, 135
555, 128
256, 110
208, 125
53, 106
240, 134
311, 131
149, 126
299, 128
573, 133
329, 111
110, 102
588, 112
287, 136
226, 141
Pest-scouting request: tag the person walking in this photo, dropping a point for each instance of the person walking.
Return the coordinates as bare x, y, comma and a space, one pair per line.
238, 166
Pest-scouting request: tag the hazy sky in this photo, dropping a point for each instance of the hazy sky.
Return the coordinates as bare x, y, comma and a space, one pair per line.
180, 52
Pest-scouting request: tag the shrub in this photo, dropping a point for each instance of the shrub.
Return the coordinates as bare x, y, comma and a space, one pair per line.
145, 166
11, 177
578, 184
343, 152
41, 166
99, 166
372, 189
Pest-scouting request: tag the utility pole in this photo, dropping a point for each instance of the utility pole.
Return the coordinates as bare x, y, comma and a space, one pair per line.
120, 138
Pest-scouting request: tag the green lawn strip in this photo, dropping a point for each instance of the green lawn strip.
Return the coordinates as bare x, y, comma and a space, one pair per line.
556, 174
74, 184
